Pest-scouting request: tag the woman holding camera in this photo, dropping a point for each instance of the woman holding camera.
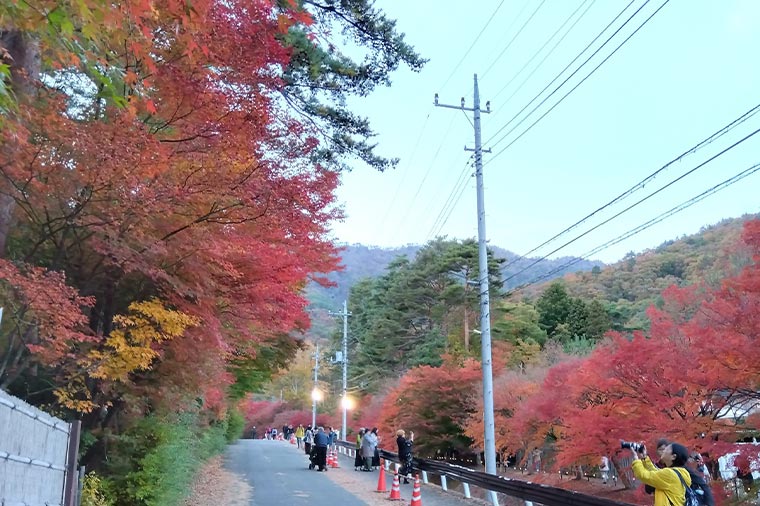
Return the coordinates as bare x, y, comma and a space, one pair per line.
669, 489
405, 453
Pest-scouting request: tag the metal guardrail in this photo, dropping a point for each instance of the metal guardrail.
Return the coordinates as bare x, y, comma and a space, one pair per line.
536, 492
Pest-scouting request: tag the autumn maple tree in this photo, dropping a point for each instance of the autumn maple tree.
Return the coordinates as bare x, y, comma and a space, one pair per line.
158, 155
434, 402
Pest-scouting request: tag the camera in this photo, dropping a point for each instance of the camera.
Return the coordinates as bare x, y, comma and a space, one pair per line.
637, 447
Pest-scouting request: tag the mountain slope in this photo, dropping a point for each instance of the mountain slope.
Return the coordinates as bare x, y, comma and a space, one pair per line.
361, 261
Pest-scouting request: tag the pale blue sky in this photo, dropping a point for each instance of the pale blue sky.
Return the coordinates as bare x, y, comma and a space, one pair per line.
689, 71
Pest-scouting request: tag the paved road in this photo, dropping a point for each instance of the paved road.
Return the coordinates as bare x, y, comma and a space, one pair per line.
278, 474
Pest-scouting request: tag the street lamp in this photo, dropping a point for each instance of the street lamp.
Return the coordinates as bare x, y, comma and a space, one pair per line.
316, 396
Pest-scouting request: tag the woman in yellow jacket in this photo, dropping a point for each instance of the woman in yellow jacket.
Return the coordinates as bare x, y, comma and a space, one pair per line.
300, 432
668, 489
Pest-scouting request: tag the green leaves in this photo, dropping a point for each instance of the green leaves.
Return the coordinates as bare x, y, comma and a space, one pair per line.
320, 77
60, 22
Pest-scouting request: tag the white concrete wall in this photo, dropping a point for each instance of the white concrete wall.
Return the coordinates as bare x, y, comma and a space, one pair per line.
33, 448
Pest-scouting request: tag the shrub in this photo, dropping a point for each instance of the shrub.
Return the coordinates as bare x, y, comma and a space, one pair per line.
235, 425
155, 462
95, 491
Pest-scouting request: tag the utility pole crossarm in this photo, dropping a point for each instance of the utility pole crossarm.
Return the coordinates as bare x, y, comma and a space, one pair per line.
461, 106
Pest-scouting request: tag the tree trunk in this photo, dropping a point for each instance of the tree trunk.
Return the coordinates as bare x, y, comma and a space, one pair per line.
23, 56
624, 474
466, 329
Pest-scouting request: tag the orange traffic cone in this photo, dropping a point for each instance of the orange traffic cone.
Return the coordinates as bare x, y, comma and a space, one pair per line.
292, 439
381, 487
329, 458
416, 493
334, 462
395, 489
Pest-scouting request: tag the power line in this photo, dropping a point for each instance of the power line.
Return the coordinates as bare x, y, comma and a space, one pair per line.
509, 44
451, 200
641, 184
493, 14
682, 176
406, 169
547, 55
462, 186
577, 85
564, 69
657, 219
432, 162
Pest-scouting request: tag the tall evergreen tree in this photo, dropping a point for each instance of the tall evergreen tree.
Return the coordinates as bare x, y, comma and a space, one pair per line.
554, 307
412, 314
598, 321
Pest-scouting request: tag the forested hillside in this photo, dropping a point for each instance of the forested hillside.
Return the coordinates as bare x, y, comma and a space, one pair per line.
426, 305
359, 262
628, 287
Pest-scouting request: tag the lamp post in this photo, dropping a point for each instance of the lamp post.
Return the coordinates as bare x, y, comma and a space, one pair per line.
346, 403
315, 393
344, 359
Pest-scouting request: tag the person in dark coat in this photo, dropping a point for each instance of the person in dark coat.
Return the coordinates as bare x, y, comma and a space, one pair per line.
405, 453
376, 454
319, 452
359, 460
308, 440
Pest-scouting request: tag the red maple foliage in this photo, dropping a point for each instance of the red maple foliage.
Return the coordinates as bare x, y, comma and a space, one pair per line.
692, 378
434, 403
199, 191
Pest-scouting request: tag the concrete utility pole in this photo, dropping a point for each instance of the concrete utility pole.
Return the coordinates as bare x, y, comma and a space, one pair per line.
485, 309
344, 358
315, 392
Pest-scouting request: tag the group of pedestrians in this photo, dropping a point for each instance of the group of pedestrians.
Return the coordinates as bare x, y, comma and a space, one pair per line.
367, 452
317, 442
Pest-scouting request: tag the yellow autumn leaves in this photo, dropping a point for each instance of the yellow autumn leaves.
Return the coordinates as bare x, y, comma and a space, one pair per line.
132, 346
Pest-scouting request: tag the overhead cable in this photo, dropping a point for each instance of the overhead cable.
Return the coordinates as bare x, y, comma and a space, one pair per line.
641, 184
679, 178
514, 37
619, 14
490, 18
684, 205
573, 88
546, 56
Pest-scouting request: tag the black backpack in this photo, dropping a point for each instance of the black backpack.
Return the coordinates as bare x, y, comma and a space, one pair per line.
699, 493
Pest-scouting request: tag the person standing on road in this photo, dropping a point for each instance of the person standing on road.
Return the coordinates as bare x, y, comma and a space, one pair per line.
376, 453
369, 442
405, 453
604, 468
321, 442
308, 440
536, 454
299, 435
358, 459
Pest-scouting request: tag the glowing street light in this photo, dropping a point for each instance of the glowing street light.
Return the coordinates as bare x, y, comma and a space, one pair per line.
347, 403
